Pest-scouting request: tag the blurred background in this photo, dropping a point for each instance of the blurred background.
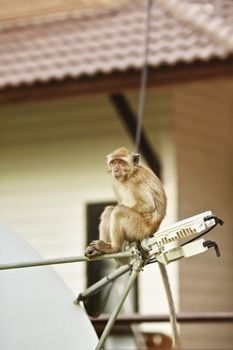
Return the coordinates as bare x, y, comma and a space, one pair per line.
69, 82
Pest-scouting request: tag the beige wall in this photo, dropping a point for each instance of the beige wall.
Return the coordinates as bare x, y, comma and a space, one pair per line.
52, 164
203, 129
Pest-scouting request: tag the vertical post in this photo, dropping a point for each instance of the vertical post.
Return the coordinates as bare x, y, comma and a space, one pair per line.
171, 304
135, 271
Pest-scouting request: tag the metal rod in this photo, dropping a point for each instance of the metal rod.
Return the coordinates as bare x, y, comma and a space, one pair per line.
171, 305
94, 288
116, 310
186, 317
64, 260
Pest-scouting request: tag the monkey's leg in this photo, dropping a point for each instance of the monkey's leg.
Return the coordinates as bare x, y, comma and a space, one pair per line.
127, 225
105, 224
110, 223
103, 245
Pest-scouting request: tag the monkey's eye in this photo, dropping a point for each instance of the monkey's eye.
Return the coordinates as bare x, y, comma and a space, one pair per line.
117, 162
113, 162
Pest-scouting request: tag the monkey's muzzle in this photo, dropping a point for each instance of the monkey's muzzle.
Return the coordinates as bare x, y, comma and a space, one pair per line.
117, 172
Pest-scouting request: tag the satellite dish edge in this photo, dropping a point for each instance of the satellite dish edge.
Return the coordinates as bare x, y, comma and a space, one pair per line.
37, 310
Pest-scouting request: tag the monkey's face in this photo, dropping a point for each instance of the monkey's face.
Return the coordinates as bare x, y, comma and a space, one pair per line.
120, 169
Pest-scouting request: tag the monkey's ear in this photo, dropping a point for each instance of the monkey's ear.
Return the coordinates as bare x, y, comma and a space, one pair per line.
135, 158
108, 158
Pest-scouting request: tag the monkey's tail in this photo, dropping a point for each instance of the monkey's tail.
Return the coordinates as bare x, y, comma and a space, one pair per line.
172, 310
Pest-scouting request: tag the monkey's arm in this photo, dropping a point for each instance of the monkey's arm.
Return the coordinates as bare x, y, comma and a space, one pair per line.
144, 203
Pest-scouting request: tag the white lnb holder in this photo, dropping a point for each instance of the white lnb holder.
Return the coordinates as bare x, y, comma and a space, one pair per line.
166, 245
179, 252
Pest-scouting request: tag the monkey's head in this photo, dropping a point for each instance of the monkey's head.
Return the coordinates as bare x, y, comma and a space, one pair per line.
121, 163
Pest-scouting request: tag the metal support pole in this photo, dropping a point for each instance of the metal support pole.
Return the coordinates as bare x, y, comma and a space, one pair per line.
135, 271
65, 260
171, 305
94, 288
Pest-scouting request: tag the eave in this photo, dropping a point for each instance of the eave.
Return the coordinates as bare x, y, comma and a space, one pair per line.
117, 81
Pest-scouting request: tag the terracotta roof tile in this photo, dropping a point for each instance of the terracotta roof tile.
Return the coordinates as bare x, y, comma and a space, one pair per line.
78, 45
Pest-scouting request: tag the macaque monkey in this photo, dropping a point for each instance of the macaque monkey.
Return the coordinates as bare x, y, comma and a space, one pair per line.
141, 207
141, 204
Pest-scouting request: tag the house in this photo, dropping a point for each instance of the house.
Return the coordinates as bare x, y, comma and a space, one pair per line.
64, 79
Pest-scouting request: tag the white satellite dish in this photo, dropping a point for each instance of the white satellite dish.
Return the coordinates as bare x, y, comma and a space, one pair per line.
36, 308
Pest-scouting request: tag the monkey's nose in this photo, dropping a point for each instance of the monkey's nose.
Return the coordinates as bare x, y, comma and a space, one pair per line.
117, 171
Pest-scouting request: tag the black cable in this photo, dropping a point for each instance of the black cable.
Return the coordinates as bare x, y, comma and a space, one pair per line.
144, 78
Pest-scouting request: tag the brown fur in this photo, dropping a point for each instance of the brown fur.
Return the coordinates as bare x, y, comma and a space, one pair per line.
120, 152
141, 204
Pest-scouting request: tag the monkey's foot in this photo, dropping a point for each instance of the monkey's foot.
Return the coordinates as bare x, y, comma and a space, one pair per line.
98, 247
92, 250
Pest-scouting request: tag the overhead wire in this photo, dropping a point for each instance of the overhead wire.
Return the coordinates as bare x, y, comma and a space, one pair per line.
141, 109
144, 78
140, 117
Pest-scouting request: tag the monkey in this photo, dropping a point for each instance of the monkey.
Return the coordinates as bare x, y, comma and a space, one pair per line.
141, 204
